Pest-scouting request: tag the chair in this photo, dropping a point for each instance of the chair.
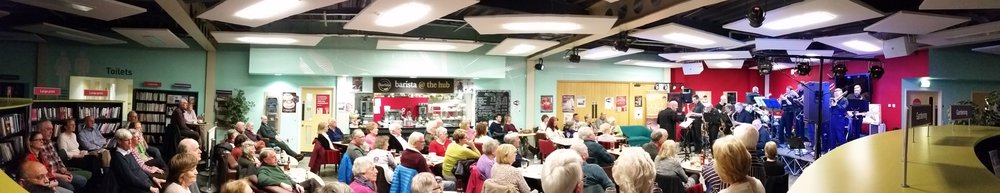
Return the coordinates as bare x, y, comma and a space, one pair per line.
607, 171
479, 146
381, 182
607, 144
637, 135
492, 186
776, 183
475, 184
670, 183
321, 156
545, 147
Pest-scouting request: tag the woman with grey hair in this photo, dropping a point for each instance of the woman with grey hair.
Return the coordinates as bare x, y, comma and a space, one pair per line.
248, 162
668, 166
485, 163
634, 171
335, 187
562, 172
425, 182
364, 175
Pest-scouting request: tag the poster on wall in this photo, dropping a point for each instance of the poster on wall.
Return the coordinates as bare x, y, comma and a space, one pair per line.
289, 100
272, 105
568, 102
638, 101
464, 85
546, 103
620, 103
322, 104
356, 84
609, 103
581, 101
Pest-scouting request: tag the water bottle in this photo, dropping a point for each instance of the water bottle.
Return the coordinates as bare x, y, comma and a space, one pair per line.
610, 190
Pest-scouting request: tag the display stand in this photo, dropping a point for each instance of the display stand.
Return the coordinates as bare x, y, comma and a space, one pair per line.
107, 114
154, 108
13, 128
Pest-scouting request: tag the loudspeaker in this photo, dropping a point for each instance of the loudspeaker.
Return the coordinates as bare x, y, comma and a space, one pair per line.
898, 47
687, 95
809, 101
693, 68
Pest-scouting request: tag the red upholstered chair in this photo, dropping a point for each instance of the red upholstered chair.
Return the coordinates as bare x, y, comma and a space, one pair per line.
541, 136
607, 144
321, 156
479, 146
545, 147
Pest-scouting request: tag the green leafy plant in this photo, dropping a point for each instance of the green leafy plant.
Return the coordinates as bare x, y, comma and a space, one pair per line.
986, 115
236, 108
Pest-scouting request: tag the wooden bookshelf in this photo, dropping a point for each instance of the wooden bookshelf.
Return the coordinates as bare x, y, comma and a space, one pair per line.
14, 128
108, 115
154, 108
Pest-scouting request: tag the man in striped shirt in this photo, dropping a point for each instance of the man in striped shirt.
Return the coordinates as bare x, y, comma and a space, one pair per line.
55, 162
746, 133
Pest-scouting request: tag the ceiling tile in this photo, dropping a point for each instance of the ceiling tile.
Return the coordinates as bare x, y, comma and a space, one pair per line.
266, 38
520, 47
254, 13
68, 33
106, 10
963, 4
797, 17
401, 16
686, 36
154, 38
858, 43
541, 23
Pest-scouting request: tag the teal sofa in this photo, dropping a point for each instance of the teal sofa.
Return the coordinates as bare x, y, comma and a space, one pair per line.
636, 135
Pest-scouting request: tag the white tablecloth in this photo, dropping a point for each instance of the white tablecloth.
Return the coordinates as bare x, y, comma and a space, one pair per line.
533, 171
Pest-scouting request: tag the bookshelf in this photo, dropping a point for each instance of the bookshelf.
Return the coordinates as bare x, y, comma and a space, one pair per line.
107, 115
154, 108
13, 128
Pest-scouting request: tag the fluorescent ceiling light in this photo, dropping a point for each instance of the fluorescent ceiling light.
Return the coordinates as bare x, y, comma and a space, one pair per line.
808, 15
724, 64
862, 45
688, 56
389, 44
605, 52
655, 64
781, 44
541, 23
401, 16
83, 8
267, 38
673, 33
266, 8
520, 47
802, 20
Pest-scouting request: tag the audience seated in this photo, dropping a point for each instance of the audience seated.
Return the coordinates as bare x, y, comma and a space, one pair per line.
425, 182
775, 170
747, 135
397, 142
156, 172
440, 143
485, 163
357, 147
183, 173
482, 135
364, 175
504, 173
598, 154
371, 130
513, 139
335, 134
469, 131
593, 174
551, 130
335, 187
666, 165
657, 138
248, 162
432, 133
128, 174
237, 186
90, 137
191, 147
382, 157
148, 155
43, 150
411, 157
563, 172
270, 175
732, 163
634, 171
71, 147
247, 133
35, 179
270, 136
322, 137
460, 149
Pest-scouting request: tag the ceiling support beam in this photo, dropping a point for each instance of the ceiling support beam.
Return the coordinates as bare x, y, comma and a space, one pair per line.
176, 10
653, 14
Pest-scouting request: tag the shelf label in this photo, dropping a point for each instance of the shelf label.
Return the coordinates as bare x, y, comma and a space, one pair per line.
88, 92
48, 91
152, 84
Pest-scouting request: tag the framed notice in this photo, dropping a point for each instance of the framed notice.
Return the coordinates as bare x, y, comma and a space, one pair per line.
289, 102
568, 103
621, 102
637, 101
546, 103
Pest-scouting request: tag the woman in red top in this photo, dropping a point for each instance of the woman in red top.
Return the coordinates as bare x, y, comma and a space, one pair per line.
508, 125
439, 145
35, 148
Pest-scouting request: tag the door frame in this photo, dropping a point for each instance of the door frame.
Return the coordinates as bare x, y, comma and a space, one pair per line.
302, 126
939, 120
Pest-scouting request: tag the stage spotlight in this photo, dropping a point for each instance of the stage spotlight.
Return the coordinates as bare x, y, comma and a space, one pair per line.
839, 70
764, 66
622, 43
539, 66
876, 72
803, 69
573, 56
756, 16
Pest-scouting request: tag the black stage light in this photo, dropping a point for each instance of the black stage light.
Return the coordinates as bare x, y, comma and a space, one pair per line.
756, 16
876, 71
764, 65
573, 56
621, 45
803, 69
539, 66
839, 70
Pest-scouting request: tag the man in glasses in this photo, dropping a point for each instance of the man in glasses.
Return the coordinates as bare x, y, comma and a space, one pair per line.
35, 178
46, 154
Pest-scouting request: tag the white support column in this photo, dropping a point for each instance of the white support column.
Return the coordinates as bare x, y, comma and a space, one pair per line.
209, 90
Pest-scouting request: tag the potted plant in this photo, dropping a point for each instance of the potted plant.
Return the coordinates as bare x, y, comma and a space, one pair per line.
235, 110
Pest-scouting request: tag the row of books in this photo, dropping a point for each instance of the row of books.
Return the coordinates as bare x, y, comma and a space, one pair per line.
149, 107
145, 117
51, 113
153, 128
149, 96
154, 139
100, 112
11, 124
107, 127
11, 148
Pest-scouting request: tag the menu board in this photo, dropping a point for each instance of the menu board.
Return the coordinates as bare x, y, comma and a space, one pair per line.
490, 103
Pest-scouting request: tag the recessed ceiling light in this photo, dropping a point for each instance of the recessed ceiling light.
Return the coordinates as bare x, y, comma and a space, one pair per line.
862, 46
266, 40
605, 52
654, 64
707, 56
426, 46
521, 49
682, 37
800, 20
277, 74
83, 8
542, 26
267, 8
403, 14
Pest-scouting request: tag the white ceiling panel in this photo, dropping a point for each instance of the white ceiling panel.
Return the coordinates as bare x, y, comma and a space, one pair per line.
781, 44
908, 22
520, 47
154, 38
970, 34
106, 10
266, 38
18, 36
439, 46
778, 66
647, 63
68, 33
858, 43
718, 55
724, 64
401, 16
808, 15
683, 35
810, 52
988, 49
254, 13
541, 23
605, 52
959, 4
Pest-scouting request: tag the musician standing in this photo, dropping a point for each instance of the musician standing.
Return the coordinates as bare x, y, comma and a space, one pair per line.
856, 117
694, 130
791, 105
713, 121
668, 119
838, 121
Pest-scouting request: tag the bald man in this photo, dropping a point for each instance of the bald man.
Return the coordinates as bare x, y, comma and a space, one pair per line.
179, 119
190, 146
35, 179
668, 119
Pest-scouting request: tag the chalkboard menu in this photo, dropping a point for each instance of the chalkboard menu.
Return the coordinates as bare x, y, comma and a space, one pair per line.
490, 103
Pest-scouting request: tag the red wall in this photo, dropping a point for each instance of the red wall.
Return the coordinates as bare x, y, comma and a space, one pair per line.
720, 80
888, 89
398, 103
